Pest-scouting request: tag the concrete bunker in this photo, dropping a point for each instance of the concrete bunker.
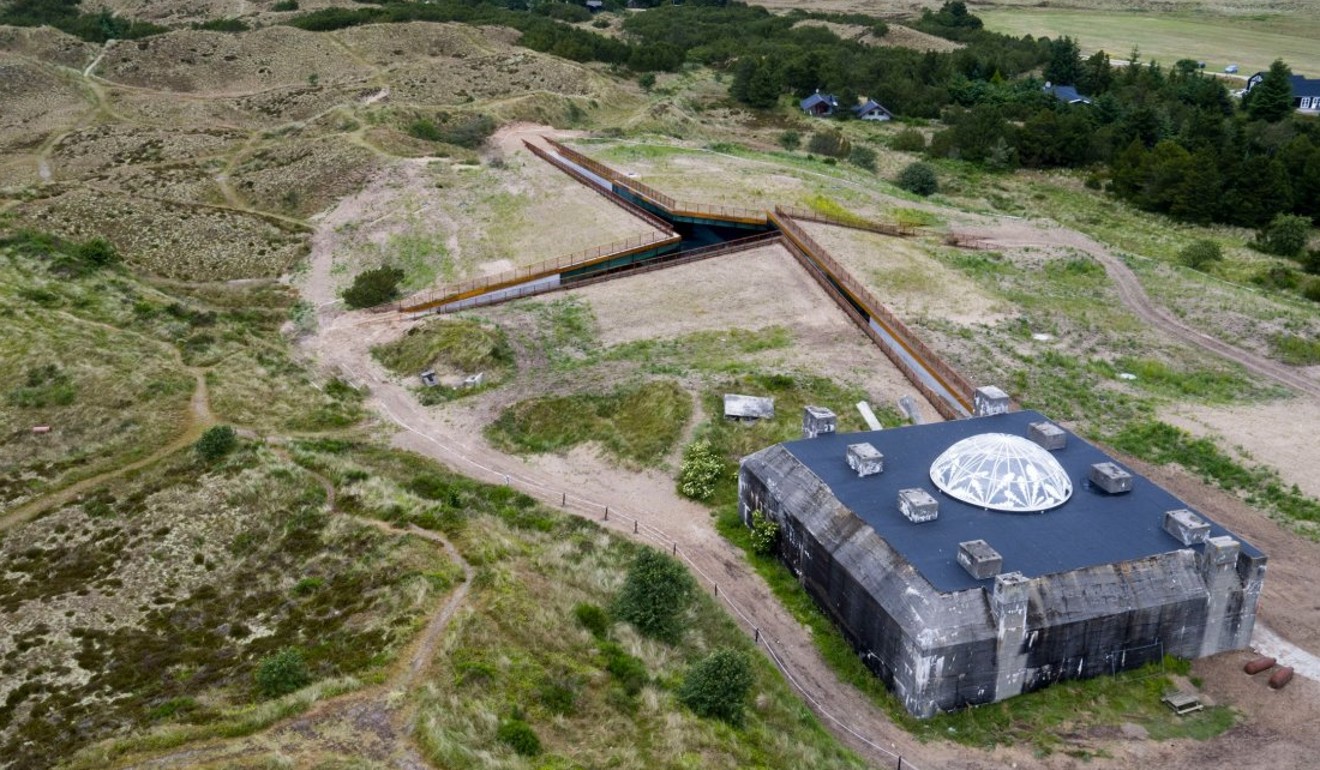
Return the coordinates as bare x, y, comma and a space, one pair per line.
1069, 580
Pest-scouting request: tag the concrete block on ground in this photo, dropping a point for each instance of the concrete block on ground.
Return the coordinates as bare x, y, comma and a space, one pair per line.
749, 408
990, 400
817, 420
429, 378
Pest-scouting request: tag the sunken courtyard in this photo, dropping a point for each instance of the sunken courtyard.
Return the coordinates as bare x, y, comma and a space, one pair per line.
972, 560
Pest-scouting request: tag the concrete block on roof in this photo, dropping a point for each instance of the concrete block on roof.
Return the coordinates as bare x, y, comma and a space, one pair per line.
865, 459
918, 505
1186, 527
979, 559
817, 420
1047, 435
1110, 478
990, 400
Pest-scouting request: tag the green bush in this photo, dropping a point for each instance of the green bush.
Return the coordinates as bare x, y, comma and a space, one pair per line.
717, 686
909, 140
862, 157
464, 130
44, 386
628, 670
830, 143
223, 25
765, 533
646, 80
790, 140
97, 252
285, 5
593, 618
919, 178
373, 287
282, 673
1285, 235
701, 470
655, 595
519, 736
1201, 254
216, 442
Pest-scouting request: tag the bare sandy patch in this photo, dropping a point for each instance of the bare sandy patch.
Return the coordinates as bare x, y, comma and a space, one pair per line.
1280, 434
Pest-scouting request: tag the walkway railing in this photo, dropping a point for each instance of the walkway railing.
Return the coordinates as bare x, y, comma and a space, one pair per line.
657, 198
477, 286
567, 165
935, 366
855, 223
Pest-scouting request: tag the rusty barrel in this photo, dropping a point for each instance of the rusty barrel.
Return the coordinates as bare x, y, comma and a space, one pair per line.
1258, 665
1280, 679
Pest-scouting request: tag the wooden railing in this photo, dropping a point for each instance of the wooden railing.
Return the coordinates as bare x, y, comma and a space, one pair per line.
477, 286
954, 382
657, 198
562, 163
855, 223
659, 263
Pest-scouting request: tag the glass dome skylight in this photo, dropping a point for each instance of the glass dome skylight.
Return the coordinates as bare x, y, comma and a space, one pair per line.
1003, 473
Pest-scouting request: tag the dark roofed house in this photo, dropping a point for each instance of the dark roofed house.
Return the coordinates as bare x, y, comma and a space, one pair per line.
1305, 91
820, 105
595, 5
1067, 94
872, 110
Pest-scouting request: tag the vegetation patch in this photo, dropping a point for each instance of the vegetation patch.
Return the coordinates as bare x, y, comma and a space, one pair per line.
638, 425
461, 345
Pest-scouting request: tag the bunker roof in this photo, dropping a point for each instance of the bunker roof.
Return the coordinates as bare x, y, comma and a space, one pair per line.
1090, 528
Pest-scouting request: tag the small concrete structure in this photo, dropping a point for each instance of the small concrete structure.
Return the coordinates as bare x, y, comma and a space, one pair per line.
908, 406
1186, 527
473, 380
748, 408
40, 430
868, 416
1110, 478
989, 400
918, 505
979, 559
429, 378
817, 420
1182, 702
1048, 435
865, 459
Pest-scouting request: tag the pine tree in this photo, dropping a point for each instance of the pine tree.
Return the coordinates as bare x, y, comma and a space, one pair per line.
1271, 99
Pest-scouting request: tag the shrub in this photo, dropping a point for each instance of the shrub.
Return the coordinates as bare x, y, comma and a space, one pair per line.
285, 5
592, 618
919, 178
655, 595
646, 80
1312, 290
1201, 254
831, 143
373, 287
765, 533
97, 252
519, 736
701, 469
465, 130
282, 673
790, 140
216, 442
862, 157
628, 670
909, 140
717, 686
1285, 235
223, 25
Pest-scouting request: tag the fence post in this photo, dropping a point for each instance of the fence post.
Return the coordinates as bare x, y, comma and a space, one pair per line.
756, 636
674, 551
634, 526
563, 502
607, 513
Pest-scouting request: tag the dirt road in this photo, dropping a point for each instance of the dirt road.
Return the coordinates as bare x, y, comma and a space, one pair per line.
1135, 298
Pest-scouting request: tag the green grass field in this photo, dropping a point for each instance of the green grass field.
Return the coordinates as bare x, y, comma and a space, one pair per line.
1251, 42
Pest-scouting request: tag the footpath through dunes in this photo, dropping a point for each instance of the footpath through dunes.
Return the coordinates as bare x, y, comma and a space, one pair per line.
1135, 298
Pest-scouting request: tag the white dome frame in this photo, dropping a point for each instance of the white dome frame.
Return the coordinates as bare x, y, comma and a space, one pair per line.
1002, 472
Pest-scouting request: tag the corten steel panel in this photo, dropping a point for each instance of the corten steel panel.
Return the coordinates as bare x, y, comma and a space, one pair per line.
1091, 528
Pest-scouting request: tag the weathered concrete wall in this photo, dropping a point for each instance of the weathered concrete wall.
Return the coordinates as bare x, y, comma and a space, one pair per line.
942, 651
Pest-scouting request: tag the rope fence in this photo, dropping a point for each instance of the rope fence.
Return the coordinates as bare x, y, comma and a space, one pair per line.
647, 532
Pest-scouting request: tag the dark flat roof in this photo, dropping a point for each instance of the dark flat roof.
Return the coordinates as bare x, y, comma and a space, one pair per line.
1091, 528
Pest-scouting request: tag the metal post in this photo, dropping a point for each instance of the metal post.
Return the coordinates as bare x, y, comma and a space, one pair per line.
756, 636
607, 513
674, 551
564, 501
634, 526
717, 589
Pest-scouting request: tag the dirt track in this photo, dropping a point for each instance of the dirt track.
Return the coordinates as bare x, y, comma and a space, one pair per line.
645, 504
1135, 298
